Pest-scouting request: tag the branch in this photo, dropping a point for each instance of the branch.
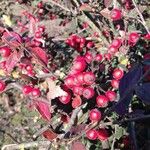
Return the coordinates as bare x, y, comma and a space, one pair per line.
26, 145
141, 16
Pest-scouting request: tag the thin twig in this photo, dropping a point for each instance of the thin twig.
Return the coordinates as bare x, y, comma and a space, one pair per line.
141, 16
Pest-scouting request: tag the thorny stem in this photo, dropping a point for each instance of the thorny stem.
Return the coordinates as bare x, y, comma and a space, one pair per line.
141, 16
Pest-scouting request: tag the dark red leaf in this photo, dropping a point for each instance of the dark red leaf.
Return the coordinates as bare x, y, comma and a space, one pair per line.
40, 53
43, 109
49, 134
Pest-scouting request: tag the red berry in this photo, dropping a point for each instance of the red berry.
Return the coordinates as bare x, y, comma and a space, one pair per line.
82, 40
91, 134
115, 83
5, 51
116, 43
79, 65
112, 49
65, 99
133, 37
41, 11
40, 4
77, 90
111, 95
98, 57
116, 14
147, 36
102, 101
27, 89
90, 45
88, 57
69, 81
89, 78
118, 74
88, 92
36, 92
79, 78
41, 28
2, 86
29, 68
95, 115
38, 34
107, 56
102, 134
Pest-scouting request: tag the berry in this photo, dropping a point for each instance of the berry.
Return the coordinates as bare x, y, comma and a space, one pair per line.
77, 90
118, 74
79, 78
38, 34
111, 95
40, 4
41, 28
112, 49
133, 37
90, 45
88, 92
88, 57
65, 99
147, 36
2, 86
69, 81
115, 83
116, 43
36, 92
5, 51
102, 101
116, 14
91, 134
95, 115
102, 134
27, 89
79, 65
107, 56
89, 78
98, 57
29, 68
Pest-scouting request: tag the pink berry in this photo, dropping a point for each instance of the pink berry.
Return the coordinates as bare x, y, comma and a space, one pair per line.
69, 81
89, 78
116, 43
5, 51
65, 99
116, 14
118, 73
91, 134
102, 101
2, 86
88, 57
99, 57
111, 95
95, 115
38, 34
90, 45
79, 78
115, 83
112, 49
133, 37
79, 65
88, 92
77, 90
36, 92
27, 89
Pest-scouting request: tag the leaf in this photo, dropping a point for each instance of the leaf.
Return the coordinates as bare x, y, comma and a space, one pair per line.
143, 93
105, 13
49, 134
126, 88
44, 109
77, 129
54, 90
107, 3
12, 60
32, 26
40, 53
77, 145
119, 132
13, 38
85, 7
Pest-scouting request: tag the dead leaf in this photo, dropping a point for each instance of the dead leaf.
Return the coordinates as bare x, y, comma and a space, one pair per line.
54, 90
77, 145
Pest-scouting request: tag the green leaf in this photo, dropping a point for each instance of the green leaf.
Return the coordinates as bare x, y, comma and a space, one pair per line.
119, 132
